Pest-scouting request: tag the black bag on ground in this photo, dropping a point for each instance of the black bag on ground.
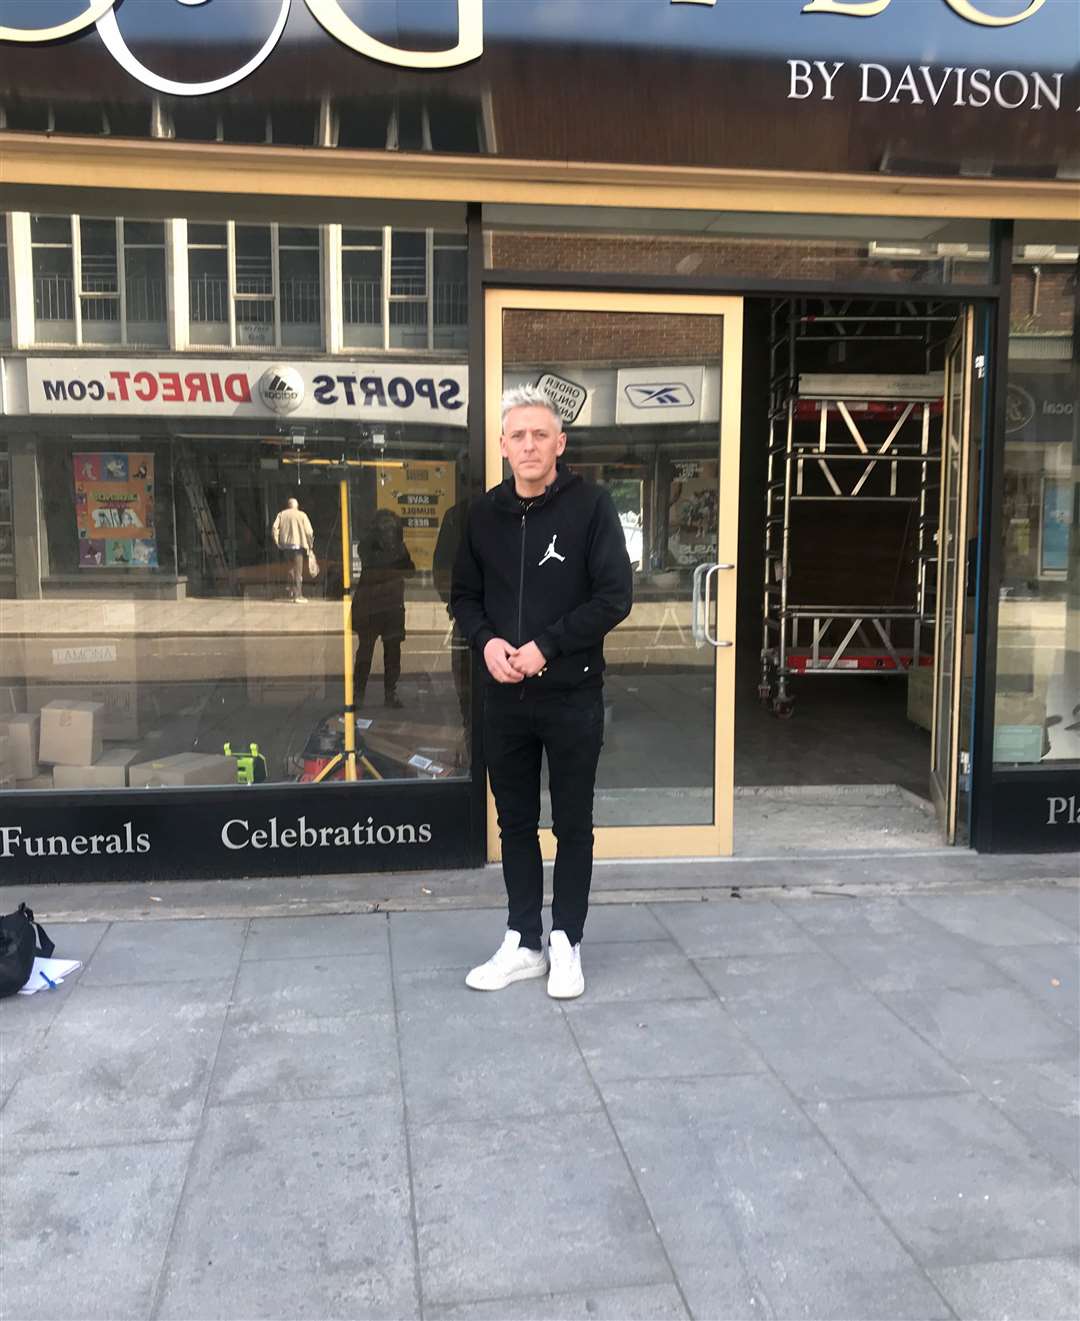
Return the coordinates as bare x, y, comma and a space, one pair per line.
21, 940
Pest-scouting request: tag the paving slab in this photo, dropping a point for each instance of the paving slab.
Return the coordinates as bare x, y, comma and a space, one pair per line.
17, 1050
772, 976
650, 1302
913, 961
500, 1055
1041, 1097
840, 1041
854, 915
340, 935
76, 940
730, 927
457, 940
318, 1028
545, 1203
1035, 1289
756, 1212
991, 919
85, 1230
619, 922
1059, 902
648, 970
176, 951
666, 1039
120, 1067
295, 1210
1049, 973
955, 1178
972, 1025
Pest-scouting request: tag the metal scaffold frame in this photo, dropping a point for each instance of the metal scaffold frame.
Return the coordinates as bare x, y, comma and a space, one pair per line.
821, 451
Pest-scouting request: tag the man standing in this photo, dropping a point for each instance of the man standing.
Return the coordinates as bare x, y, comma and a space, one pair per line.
294, 537
378, 604
541, 576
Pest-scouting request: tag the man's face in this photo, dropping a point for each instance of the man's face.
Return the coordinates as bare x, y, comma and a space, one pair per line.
531, 443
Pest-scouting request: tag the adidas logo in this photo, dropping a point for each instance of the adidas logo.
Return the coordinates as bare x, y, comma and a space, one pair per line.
281, 389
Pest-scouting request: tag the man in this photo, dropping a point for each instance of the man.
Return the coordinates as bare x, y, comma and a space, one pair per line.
294, 537
541, 576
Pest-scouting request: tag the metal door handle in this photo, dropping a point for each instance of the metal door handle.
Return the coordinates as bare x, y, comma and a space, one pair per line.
710, 571
697, 623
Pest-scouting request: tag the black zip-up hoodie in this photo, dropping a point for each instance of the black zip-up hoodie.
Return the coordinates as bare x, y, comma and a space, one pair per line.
553, 570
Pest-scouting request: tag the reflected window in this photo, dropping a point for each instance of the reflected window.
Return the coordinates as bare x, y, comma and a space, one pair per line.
53, 262
404, 288
5, 281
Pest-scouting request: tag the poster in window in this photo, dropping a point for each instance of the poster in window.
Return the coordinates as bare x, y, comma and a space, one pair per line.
420, 492
693, 511
1056, 522
114, 510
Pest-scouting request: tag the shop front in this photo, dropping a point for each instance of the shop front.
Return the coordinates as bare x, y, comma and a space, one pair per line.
813, 326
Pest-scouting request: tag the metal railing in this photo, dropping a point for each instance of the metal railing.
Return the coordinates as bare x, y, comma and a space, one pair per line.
208, 298
301, 302
54, 298
362, 302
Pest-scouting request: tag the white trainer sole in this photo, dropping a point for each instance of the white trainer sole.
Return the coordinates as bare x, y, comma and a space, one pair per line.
571, 993
522, 975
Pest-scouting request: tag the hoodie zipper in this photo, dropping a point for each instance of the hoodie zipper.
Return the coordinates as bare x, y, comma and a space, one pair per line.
521, 580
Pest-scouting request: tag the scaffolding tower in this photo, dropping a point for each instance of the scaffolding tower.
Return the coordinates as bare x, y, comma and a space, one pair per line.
852, 491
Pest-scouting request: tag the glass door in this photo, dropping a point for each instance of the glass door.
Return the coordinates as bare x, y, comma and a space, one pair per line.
950, 737
648, 387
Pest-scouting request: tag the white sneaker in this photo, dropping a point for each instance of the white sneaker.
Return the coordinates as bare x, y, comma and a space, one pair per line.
566, 980
300, 600
509, 963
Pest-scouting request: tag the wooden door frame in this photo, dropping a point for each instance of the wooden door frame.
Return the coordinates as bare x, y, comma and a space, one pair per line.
677, 841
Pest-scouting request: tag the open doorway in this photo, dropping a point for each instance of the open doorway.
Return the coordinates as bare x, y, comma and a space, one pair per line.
856, 614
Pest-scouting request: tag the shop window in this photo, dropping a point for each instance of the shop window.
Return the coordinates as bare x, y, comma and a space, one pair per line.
703, 245
424, 274
217, 647
1037, 709
98, 281
253, 285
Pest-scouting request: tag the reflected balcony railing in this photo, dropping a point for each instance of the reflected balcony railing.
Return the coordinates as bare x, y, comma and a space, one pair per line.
54, 298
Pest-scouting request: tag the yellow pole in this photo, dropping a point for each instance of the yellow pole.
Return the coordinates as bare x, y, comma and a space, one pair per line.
346, 633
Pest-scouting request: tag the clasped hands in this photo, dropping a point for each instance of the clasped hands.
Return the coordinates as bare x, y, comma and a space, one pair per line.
508, 664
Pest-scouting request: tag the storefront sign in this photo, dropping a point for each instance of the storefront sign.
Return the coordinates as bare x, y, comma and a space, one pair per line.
213, 387
647, 397
1042, 407
420, 494
693, 82
1036, 812
279, 830
114, 510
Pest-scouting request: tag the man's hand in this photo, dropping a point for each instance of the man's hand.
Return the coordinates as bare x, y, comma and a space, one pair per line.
528, 660
497, 654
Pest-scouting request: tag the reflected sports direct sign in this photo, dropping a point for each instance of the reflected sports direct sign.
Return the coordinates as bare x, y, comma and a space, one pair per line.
213, 387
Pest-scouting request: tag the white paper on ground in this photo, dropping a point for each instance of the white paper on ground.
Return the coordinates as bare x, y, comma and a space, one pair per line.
55, 969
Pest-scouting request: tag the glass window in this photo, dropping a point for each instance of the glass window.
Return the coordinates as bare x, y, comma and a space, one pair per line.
144, 282
362, 286
53, 265
254, 293
718, 243
450, 291
1037, 712
208, 283
100, 280
299, 279
226, 662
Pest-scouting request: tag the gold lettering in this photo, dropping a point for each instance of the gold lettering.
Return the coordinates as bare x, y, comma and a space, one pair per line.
470, 42
853, 8
966, 9
96, 9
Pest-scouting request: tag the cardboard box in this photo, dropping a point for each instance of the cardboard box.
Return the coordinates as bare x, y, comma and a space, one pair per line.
70, 733
183, 768
110, 771
120, 718
23, 733
920, 696
37, 782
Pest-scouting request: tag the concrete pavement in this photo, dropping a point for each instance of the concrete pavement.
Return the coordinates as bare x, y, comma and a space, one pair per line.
860, 1104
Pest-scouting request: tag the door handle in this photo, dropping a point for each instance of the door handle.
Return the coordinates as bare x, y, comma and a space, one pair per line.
710, 572
697, 622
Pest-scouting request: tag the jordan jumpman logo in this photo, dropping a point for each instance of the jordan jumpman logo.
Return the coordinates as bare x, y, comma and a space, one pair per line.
551, 553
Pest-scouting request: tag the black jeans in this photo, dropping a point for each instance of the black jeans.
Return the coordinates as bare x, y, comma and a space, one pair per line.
390, 626
520, 724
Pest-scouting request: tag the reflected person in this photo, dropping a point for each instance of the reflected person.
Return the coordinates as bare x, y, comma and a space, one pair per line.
295, 538
378, 604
